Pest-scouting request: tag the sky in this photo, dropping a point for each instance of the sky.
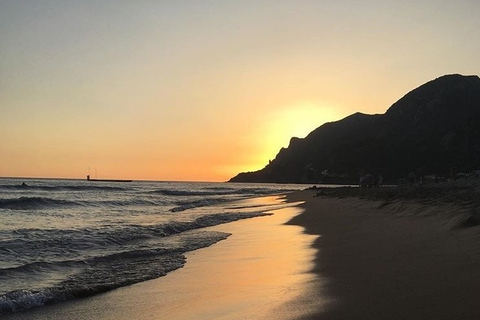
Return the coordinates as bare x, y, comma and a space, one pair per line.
190, 90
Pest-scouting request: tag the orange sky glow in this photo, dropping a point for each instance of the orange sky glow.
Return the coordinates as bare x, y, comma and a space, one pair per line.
181, 90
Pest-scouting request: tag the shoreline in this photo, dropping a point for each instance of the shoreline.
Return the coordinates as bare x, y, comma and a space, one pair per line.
260, 272
336, 254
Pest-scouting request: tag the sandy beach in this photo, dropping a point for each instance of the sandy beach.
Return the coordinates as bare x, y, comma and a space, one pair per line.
329, 257
396, 260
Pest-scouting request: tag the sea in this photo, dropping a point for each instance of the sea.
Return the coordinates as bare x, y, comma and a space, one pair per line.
68, 239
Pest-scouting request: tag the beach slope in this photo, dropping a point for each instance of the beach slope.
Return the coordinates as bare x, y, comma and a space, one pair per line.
395, 259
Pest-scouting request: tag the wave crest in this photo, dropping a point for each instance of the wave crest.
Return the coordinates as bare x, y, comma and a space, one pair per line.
29, 203
61, 188
103, 273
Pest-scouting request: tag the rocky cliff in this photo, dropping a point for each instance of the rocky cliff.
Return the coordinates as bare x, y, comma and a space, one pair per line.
432, 130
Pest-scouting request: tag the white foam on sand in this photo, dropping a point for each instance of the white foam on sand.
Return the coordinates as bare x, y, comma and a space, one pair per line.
260, 272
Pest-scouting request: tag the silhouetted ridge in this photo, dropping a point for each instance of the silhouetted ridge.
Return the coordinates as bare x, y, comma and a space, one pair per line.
438, 96
434, 129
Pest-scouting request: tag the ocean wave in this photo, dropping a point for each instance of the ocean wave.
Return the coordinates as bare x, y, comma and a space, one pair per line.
182, 206
220, 188
130, 202
263, 191
103, 273
61, 188
221, 191
24, 299
170, 192
30, 268
69, 244
29, 203
32, 203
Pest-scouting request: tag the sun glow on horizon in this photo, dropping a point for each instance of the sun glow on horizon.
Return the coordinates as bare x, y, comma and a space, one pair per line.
298, 119
190, 91
294, 119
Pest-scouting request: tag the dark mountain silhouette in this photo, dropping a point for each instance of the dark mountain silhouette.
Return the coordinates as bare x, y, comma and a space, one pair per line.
433, 130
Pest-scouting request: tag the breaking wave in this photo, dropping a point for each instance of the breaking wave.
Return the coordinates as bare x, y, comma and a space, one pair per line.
36, 203
61, 188
101, 273
170, 192
219, 191
29, 203
198, 203
51, 244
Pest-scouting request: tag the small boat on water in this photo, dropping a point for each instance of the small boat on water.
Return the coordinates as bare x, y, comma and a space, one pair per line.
106, 180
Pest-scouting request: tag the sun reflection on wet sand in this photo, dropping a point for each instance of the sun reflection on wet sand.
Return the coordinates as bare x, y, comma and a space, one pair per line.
260, 272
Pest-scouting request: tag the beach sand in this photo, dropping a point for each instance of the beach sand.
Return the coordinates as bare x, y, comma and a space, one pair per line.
398, 261
336, 258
